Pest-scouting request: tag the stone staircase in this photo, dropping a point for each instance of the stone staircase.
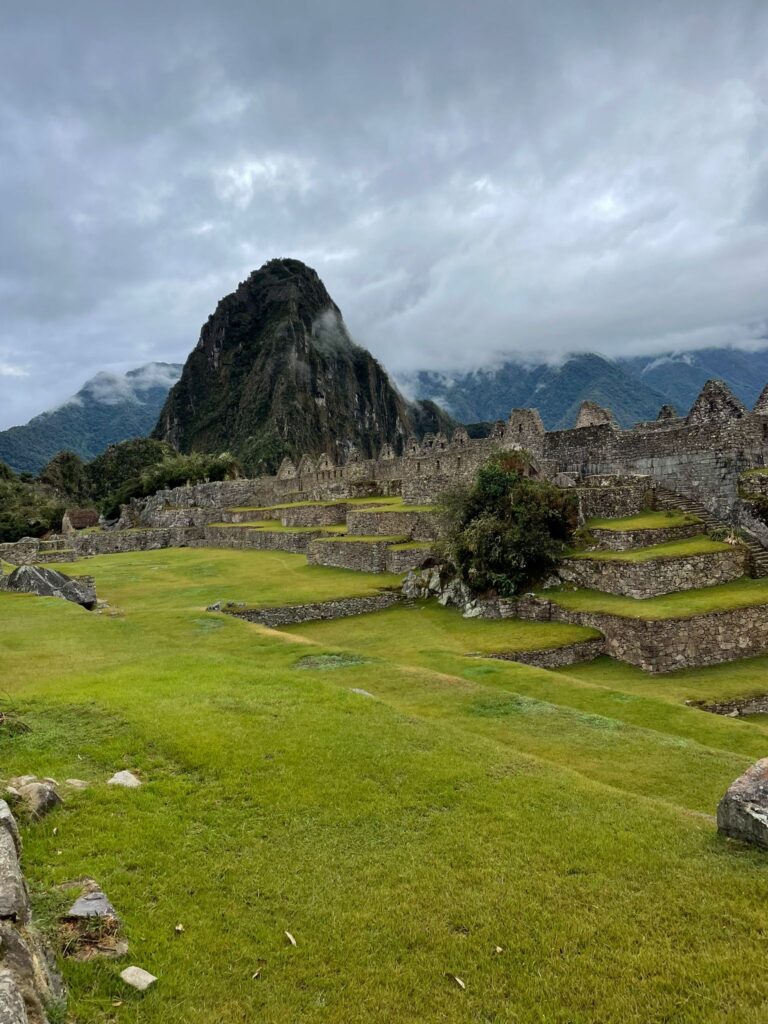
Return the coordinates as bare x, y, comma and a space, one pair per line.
758, 555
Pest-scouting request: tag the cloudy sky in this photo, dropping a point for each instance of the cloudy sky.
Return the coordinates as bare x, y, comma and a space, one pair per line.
469, 180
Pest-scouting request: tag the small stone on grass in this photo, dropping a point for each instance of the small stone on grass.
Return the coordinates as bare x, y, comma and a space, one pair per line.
138, 978
124, 778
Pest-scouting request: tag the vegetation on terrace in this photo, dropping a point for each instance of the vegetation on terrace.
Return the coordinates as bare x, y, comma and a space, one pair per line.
505, 530
645, 521
742, 593
471, 805
701, 545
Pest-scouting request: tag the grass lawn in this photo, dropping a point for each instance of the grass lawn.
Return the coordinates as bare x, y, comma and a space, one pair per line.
645, 521
700, 545
412, 545
685, 604
401, 838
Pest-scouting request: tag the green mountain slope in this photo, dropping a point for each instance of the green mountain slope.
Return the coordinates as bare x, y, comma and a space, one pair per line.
106, 410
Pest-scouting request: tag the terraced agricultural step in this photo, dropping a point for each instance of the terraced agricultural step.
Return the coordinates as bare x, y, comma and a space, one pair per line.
757, 562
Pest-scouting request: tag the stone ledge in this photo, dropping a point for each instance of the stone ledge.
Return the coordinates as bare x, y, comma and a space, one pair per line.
663, 645
289, 615
655, 576
555, 657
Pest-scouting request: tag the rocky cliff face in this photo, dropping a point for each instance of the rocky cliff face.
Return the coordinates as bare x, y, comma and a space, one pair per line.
275, 373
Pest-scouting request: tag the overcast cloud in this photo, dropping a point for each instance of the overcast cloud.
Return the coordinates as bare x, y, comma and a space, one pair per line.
470, 180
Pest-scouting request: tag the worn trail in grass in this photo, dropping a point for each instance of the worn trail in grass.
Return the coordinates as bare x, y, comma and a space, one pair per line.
401, 839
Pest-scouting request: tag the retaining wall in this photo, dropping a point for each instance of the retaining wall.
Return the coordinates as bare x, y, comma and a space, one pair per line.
240, 538
362, 556
406, 559
625, 540
666, 645
414, 525
655, 576
555, 657
288, 615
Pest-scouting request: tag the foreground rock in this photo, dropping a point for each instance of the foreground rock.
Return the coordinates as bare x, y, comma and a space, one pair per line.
38, 795
28, 980
743, 811
91, 927
35, 579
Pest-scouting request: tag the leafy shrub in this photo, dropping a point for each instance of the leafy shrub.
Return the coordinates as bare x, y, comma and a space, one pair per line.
66, 475
122, 462
507, 530
27, 509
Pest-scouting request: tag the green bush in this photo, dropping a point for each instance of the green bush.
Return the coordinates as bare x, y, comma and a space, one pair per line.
508, 530
26, 509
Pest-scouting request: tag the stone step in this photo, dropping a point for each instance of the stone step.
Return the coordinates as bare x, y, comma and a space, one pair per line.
757, 554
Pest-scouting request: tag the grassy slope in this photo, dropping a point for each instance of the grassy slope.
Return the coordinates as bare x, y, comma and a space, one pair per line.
682, 605
700, 545
471, 804
645, 521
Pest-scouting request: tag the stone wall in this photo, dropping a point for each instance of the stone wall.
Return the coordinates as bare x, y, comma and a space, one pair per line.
112, 542
665, 645
624, 540
28, 979
362, 555
405, 559
556, 657
241, 538
608, 498
655, 576
289, 615
413, 525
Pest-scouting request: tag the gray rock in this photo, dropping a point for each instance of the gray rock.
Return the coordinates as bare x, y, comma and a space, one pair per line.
45, 582
363, 693
92, 903
12, 1009
76, 783
743, 811
40, 797
124, 778
138, 978
8, 823
26, 959
14, 899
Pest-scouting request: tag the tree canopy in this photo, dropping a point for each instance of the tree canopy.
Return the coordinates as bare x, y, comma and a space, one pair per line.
507, 530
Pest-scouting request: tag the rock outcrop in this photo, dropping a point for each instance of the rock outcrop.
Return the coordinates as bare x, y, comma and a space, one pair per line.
33, 579
743, 811
28, 981
275, 373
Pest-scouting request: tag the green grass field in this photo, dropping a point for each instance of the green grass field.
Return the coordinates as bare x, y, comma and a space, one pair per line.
645, 521
700, 545
466, 804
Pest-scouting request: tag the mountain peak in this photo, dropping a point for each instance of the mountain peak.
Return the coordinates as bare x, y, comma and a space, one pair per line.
275, 374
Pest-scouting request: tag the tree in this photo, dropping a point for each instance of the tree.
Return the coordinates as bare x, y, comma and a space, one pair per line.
65, 474
508, 530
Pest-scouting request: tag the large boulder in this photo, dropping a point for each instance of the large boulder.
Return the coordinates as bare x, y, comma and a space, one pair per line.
743, 811
45, 582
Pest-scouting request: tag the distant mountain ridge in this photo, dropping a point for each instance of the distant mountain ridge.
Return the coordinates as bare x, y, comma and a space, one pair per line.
109, 408
632, 388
